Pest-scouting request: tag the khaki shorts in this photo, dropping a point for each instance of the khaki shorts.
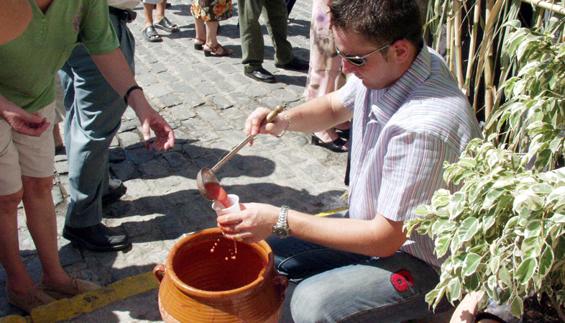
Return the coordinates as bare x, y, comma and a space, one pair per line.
22, 155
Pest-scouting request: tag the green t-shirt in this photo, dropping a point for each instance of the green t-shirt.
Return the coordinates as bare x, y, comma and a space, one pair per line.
29, 63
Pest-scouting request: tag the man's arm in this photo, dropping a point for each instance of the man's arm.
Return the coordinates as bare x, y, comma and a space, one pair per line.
377, 237
315, 115
117, 73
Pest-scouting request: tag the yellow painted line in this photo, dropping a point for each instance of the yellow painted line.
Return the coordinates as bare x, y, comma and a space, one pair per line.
69, 308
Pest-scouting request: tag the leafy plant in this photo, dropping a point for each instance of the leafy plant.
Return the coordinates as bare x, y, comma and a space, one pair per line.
503, 232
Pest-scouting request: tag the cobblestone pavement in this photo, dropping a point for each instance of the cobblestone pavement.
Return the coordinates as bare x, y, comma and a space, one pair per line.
206, 100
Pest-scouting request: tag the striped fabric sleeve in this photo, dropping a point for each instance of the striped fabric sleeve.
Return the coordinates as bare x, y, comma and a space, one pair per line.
349, 91
412, 172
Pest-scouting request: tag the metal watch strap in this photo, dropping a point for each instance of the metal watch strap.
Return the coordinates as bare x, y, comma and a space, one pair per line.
281, 228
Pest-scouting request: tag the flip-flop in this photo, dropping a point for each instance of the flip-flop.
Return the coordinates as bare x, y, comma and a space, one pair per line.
166, 25
151, 34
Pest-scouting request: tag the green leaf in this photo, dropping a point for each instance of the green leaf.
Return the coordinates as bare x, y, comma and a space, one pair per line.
504, 276
533, 229
472, 261
491, 198
468, 228
526, 270
546, 261
442, 245
440, 198
454, 290
494, 264
517, 306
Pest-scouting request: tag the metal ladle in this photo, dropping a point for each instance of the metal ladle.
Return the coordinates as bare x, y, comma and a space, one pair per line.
207, 175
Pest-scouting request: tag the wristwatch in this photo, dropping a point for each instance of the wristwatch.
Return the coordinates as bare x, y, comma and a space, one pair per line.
281, 228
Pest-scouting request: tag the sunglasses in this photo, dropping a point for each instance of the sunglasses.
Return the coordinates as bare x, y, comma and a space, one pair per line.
358, 60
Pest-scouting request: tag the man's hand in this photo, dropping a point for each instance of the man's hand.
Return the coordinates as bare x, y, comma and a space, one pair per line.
253, 223
151, 120
255, 123
22, 121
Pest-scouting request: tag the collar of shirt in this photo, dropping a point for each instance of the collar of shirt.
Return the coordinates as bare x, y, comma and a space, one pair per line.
390, 99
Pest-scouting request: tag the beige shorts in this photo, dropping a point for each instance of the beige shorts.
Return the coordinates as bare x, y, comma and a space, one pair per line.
22, 155
152, 1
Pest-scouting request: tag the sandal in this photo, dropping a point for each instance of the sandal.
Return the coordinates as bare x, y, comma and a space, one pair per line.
151, 34
166, 25
198, 44
77, 286
218, 51
338, 145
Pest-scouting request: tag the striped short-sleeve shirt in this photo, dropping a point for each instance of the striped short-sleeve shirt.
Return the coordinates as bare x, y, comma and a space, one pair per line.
401, 136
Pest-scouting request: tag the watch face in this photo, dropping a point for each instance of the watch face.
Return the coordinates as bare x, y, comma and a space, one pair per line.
280, 232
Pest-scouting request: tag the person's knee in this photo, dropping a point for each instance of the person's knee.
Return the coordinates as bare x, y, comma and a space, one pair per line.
34, 186
309, 305
9, 203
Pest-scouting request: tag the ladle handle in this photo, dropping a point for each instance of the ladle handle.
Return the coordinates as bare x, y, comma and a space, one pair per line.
270, 117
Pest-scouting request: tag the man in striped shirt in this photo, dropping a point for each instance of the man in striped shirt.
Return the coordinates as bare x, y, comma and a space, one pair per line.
409, 117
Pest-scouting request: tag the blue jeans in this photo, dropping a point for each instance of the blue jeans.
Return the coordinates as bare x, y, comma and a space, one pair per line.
93, 117
337, 286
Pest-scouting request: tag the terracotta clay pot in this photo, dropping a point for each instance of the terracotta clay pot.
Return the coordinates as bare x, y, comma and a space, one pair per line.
205, 280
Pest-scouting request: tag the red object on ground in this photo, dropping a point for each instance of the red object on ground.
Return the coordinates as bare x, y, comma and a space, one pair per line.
215, 192
402, 280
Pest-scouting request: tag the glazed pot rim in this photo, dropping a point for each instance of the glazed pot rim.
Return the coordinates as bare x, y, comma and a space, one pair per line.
264, 273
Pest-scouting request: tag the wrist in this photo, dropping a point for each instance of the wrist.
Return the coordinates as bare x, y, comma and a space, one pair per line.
286, 120
129, 92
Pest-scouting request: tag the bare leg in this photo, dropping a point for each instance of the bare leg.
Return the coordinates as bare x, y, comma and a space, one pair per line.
41, 222
211, 33
148, 13
18, 279
161, 10
200, 29
57, 135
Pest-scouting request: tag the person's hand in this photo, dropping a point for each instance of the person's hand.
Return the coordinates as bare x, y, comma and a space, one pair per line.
253, 223
164, 135
22, 121
255, 123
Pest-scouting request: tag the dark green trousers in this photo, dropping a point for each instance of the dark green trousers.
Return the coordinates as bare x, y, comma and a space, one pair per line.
252, 45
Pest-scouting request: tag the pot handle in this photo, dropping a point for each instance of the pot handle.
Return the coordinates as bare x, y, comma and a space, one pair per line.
159, 272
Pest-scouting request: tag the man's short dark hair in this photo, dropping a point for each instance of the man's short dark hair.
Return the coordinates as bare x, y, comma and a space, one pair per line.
382, 21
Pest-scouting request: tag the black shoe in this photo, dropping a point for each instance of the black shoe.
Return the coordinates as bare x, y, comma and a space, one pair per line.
258, 73
97, 238
116, 189
339, 145
295, 64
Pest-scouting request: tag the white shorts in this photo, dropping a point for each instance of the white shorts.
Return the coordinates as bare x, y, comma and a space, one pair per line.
152, 1
22, 155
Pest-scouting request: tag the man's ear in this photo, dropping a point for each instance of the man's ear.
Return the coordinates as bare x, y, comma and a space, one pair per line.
402, 50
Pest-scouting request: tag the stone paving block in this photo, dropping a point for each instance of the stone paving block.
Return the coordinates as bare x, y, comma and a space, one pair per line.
139, 155
128, 138
182, 112
153, 169
124, 170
